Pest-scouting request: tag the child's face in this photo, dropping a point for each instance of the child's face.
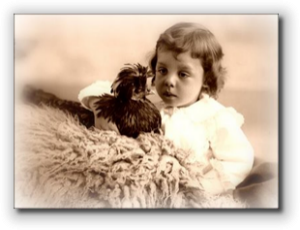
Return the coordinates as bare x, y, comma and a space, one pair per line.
178, 80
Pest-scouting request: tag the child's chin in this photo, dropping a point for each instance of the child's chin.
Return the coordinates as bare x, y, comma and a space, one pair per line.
171, 104
175, 102
179, 105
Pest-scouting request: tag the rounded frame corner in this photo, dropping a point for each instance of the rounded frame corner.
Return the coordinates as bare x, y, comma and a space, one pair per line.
290, 10
9, 219
290, 219
8, 9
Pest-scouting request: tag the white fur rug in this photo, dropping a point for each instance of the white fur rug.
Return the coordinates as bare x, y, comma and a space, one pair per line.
61, 164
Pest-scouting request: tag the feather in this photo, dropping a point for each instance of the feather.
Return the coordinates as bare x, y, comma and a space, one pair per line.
128, 108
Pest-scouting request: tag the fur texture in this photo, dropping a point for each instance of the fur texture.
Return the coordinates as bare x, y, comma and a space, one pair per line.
62, 164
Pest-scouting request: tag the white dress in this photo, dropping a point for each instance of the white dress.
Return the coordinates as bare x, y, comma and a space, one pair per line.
98, 88
208, 127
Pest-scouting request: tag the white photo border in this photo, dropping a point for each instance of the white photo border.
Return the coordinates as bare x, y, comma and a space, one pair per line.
285, 217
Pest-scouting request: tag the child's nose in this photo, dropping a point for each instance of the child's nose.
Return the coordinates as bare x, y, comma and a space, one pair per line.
170, 80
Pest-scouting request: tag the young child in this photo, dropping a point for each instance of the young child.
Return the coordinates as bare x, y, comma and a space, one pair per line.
188, 76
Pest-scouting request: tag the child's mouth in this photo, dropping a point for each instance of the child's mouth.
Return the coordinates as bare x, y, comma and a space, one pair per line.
168, 94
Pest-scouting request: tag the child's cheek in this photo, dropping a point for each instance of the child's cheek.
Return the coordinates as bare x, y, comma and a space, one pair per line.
158, 85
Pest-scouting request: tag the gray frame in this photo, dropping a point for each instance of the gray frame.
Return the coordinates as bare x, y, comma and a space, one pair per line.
284, 217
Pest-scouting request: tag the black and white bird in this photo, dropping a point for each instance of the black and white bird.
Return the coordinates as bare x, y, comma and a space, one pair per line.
127, 110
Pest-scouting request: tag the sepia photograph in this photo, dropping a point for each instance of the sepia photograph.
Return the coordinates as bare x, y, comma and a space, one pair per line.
149, 111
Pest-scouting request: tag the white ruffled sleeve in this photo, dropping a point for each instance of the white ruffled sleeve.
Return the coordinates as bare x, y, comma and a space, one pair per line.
233, 154
96, 89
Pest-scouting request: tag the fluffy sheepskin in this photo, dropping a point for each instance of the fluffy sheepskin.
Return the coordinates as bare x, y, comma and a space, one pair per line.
61, 164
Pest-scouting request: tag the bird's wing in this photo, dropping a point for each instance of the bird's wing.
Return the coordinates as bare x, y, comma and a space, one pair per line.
96, 89
101, 122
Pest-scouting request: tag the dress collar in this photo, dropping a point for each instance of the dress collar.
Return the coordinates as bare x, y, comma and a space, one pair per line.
199, 111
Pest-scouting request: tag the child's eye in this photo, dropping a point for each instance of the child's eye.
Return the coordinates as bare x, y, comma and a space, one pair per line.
162, 71
183, 75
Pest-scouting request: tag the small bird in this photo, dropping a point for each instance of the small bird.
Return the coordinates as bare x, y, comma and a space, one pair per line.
127, 110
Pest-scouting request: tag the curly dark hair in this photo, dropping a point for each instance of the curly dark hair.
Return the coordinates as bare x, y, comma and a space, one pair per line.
183, 37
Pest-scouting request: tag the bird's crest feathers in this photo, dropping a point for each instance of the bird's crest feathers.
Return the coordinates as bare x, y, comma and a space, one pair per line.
127, 73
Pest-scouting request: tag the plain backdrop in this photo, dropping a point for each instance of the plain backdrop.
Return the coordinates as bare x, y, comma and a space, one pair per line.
64, 53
